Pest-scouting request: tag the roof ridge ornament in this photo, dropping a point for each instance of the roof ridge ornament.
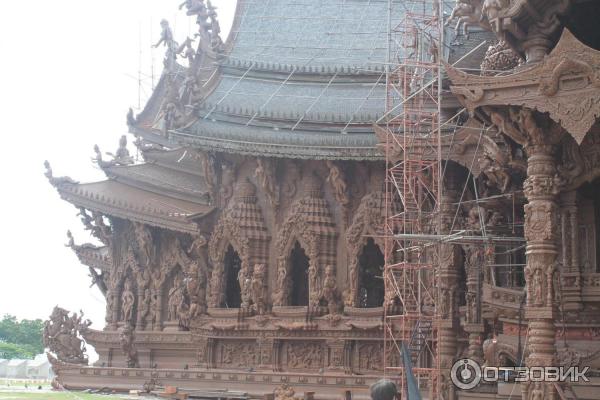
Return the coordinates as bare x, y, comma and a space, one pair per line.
120, 158
59, 180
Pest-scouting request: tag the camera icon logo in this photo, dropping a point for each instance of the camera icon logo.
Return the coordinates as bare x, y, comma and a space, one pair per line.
465, 373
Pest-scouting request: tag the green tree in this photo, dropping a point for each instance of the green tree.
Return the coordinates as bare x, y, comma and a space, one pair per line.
25, 336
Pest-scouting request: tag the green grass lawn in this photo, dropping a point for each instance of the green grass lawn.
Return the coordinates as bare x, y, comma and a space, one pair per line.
46, 395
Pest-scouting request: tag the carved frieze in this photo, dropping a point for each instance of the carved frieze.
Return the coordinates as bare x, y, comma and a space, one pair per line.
304, 355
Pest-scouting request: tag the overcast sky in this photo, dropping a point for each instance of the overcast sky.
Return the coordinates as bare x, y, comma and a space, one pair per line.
68, 74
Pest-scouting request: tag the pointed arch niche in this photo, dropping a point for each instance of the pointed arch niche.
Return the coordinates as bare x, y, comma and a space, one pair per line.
239, 241
306, 244
366, 257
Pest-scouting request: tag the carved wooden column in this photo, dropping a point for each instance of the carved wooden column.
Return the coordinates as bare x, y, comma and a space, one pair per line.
541, 228
158, 311
571, 268
449, 263
474, 263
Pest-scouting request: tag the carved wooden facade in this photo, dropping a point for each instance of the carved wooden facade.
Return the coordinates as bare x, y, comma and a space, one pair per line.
205, 246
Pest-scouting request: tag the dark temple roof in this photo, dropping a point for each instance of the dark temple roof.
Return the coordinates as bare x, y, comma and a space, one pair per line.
297, 79
166, 191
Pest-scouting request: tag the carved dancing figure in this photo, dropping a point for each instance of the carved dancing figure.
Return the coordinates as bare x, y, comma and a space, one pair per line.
166, 39
280, 296
330, 293
265, 175
259, 288
187, 51
176, 299
466, 13
338, 183
145, 242
127, 301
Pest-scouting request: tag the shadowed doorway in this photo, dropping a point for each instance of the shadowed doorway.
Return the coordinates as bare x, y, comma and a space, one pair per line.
370, 281
299, 266
233, 264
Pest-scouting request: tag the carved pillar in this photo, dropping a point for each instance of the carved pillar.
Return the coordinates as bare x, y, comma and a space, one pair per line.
158, 312
571, 268
140, 305
116, 307
449, 263
541, 229
474, 263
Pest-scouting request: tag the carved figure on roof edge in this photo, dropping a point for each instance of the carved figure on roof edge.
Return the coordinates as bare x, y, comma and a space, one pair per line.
167, 40
187, 51
55, 181
466, 13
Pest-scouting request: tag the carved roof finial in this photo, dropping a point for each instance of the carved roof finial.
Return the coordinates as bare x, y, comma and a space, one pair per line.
56, 181
71, 242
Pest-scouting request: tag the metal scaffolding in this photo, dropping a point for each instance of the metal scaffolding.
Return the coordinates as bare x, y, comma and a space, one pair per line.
414, 177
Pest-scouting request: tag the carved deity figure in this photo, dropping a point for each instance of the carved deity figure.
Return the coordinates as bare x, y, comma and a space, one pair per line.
197, 8
314, 283
338, 183
121, 156
145, 307
176, 299
265, 175
127, 302
62, 333
496, 175
126, 338
209, 171
259, 288
166, 39
227, 180
245, 287
537, 392
330, 293
187, 51
144, 241
280, 295
466, 13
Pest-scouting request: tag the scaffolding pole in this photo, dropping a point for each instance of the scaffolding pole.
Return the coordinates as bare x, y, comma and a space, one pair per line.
412, 124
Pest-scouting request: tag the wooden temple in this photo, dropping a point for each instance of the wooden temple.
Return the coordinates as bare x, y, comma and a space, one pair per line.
246, 251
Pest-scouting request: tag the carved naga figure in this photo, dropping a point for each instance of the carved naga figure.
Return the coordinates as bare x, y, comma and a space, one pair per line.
62, 336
